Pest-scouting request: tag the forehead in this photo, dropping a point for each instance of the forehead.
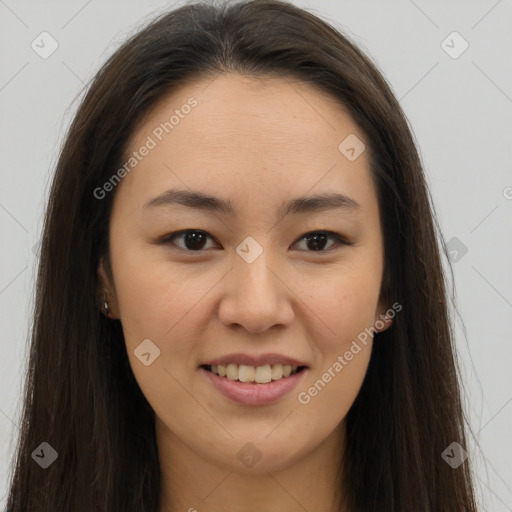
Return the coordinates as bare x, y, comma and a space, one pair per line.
232, 130
238, 112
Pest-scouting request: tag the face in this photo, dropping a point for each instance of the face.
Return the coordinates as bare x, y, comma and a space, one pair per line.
253, 277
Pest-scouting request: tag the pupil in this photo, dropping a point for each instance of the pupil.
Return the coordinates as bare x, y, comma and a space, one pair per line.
318, 240
194, 240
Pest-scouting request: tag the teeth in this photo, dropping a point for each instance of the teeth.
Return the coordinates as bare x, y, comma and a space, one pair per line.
246, 373
263, 374
277, 372
258, 374
232, 372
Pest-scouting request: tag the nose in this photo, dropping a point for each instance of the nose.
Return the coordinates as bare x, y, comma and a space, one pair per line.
256, 296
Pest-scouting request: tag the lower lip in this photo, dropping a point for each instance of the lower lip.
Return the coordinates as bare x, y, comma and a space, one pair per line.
254, 394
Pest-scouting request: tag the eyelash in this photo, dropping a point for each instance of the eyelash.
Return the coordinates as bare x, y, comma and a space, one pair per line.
338, 238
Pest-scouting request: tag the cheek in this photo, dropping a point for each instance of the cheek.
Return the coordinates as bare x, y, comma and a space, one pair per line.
139, 300
341, 357
153, 297
330, 393
345, 301
163, 308
345, 309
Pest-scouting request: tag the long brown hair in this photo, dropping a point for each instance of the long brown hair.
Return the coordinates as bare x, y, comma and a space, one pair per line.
81, 396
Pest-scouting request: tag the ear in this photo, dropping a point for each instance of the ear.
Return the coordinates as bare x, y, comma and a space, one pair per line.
382, 320
106, 293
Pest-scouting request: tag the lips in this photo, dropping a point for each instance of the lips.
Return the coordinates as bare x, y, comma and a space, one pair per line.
254, 379
250, 393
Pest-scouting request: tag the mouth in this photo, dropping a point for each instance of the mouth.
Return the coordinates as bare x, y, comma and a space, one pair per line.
253, 385
254, 374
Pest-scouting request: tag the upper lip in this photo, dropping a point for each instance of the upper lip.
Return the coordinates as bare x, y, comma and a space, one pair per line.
259, 360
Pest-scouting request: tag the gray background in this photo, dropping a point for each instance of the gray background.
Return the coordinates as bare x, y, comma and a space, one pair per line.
459, 108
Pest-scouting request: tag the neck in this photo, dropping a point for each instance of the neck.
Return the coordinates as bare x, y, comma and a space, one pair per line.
193, 483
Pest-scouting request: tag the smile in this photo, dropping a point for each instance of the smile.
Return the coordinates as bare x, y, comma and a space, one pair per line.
251, 392
255, 374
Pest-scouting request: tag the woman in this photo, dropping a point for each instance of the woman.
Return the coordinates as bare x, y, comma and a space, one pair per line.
240, 301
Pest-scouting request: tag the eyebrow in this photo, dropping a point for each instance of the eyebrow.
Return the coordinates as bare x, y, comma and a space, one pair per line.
299, 205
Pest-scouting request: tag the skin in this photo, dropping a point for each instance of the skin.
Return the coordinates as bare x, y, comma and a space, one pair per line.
256, 143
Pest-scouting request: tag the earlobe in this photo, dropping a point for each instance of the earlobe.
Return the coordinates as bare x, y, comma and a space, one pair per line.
106, 308
105, 292
383, 319
383, 322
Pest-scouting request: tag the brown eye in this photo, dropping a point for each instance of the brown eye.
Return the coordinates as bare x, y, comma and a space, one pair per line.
316, 240
193, 239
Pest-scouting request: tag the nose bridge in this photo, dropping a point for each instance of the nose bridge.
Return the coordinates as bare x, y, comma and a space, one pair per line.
252, 258
253, 274
256, 298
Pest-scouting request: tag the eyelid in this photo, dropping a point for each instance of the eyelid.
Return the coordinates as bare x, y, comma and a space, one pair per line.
167, 238
340, 240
